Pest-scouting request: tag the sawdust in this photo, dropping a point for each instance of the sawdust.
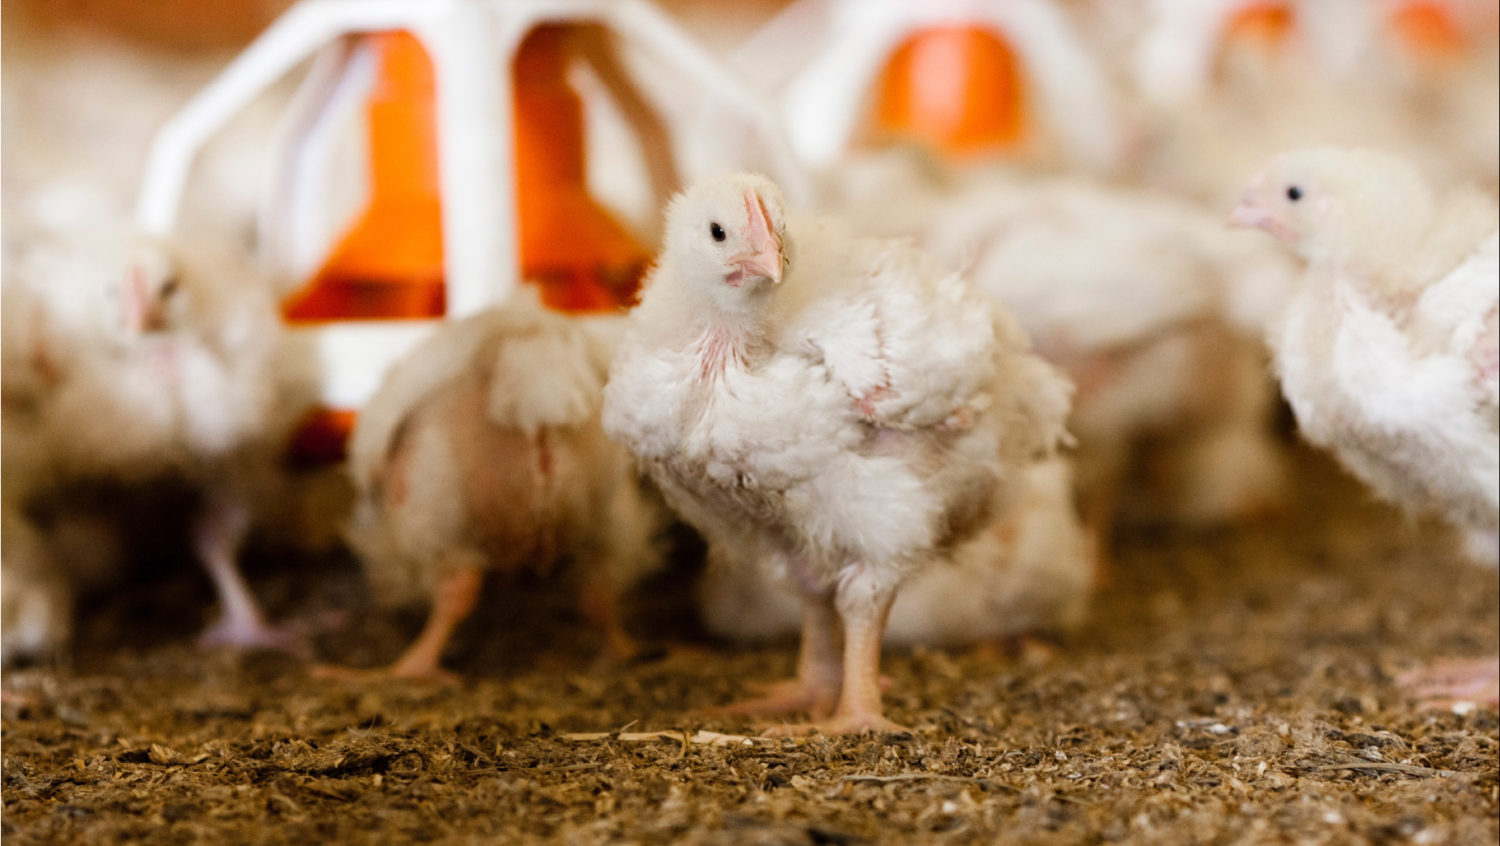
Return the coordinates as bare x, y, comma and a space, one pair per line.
1232, 687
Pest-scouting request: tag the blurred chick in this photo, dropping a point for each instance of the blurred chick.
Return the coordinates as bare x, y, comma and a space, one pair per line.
36, 606
1152, 322
1029, 571
1229, 84
844, 404
482, 452
79, 114
149, 363
1388, 350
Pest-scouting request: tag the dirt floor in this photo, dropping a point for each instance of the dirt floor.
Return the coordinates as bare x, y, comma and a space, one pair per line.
1232, 687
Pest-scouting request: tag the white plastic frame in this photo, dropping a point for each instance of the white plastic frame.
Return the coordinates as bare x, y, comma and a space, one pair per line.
471, 44
822, 102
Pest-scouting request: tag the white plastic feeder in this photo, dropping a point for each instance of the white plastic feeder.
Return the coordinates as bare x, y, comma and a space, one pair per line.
471, 44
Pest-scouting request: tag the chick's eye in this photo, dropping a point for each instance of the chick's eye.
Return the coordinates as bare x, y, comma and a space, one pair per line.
169, 287
716, 231
1293, 193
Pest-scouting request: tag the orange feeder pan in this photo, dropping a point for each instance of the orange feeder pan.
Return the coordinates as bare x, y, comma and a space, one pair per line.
958, 90
583, 258
1267, 24
1428, 29
389, 265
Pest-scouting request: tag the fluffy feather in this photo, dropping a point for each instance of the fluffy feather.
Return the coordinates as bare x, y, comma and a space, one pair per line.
482, 451
1156, 322
1385, 351
1029, 571
145, 361
1388, 351
858, 417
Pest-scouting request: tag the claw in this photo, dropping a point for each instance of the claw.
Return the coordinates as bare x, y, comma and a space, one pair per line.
855, 723
1456, 684
377, 675
790, 696
238, 633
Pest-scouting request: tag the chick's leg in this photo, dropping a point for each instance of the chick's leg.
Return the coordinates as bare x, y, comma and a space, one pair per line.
819, 674
864, 608
1455, 683
453, 600
457, 594
599, 602
218, 532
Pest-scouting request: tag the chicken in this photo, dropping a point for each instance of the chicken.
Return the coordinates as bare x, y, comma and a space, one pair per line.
79, 113
1029, 571
1153, 323
1387, 352
153, 364
37, 605
844, 404
481, 452
1225, 86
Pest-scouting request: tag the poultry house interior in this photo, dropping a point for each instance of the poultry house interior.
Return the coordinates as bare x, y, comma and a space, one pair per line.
442, 420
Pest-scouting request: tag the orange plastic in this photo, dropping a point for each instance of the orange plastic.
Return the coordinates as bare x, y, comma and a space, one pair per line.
580, 255
1429, 29
322, 437
390, 262
1267, 24
955, 89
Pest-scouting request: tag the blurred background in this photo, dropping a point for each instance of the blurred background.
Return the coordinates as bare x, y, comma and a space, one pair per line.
1078, 157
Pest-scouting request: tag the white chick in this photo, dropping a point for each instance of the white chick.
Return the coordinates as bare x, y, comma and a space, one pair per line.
171, 381
1223, 100
37, 601
845, 404
481, 452
36, 607
1388, 350
1030, 570
79, 114
1152, 323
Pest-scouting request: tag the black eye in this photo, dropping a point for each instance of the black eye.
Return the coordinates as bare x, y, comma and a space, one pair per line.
717, 231
169, 287
1293, 193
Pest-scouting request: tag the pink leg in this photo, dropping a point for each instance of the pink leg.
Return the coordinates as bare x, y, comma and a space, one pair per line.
599, 603
859, 708
819, 676
457, 594
1455, 681
217, 534
1099, 519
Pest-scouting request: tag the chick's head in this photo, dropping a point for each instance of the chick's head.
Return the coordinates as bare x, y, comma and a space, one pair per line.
1332, 204
726, 238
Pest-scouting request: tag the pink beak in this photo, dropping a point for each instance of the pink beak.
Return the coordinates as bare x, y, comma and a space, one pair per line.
141, 314
1248, 213
136, 302
764, 258
1251, 213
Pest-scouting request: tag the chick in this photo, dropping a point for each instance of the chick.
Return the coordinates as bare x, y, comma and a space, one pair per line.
845, 404
1152, 322
482, 452
1029, 571
152, 363
1387, 351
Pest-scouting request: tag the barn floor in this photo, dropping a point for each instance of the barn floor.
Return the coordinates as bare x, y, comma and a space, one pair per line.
1232, 687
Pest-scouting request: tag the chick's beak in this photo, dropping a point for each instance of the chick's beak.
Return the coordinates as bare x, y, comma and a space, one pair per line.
764, 263
765, 258
1252, 212
135, 305
141, 312
1248, 213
